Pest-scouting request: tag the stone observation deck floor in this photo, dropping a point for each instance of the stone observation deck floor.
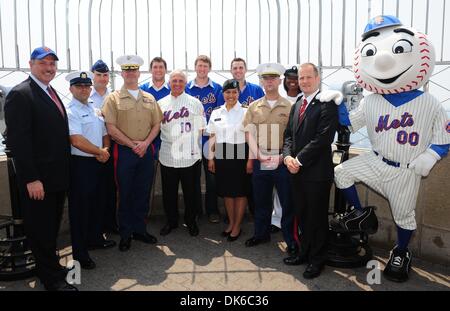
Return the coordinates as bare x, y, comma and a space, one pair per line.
209, 262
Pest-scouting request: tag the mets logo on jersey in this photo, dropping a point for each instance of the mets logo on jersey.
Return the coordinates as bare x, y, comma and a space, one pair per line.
447, 126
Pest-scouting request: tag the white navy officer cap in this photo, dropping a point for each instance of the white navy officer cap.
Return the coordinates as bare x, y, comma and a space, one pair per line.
130, 62
270, 69
80, 77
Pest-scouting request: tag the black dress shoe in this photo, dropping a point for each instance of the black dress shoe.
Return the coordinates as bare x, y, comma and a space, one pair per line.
255, 241
105, 244
147, 238
231, 238
312, 271
61, 286
294, 260
64, 271
124, 244
292, 250
274, 229
225, 234
87, 264
193, 229
112, 230
167, 229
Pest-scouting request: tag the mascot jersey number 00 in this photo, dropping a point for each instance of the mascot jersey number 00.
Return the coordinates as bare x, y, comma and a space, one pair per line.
409, 131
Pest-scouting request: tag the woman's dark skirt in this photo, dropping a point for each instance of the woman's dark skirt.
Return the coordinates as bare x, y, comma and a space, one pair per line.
231, 177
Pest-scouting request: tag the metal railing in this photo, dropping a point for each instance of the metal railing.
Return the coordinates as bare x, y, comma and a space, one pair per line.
289, 32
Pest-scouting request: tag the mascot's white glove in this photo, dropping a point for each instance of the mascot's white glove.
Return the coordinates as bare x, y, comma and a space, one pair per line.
331, 95
423, 164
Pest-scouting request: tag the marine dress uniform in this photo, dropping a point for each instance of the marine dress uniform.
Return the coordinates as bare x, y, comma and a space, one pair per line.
134, 117
267, 123
85, 212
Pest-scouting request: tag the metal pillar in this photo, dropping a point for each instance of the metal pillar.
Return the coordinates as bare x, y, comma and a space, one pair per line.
347, 250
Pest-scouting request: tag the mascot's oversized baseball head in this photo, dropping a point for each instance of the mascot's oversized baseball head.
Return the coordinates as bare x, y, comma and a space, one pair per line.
392, 58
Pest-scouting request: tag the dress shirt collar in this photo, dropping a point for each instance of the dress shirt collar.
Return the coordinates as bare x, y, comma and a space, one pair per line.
165, 85
95, 93
41, 85
192, 84
311, 97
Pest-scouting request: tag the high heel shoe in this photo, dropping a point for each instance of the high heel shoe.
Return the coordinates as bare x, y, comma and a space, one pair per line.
231, 238
225, 234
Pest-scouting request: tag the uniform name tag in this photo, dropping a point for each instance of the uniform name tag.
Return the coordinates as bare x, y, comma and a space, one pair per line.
218, 119
85, 115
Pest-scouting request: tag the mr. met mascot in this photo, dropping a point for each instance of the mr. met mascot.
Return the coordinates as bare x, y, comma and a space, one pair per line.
409, 131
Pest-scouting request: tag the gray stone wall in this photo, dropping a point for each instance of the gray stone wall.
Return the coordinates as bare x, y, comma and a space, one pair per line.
431, 241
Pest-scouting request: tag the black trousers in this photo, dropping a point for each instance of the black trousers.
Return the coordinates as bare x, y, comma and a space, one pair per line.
85, 212
311, 203
42, 219
170, 178
210, 194
109, 196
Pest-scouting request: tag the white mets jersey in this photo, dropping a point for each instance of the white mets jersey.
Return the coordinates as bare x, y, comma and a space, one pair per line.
402, 133
181, 126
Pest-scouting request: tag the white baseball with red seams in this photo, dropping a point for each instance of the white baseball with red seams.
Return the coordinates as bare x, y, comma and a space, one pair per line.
394, 62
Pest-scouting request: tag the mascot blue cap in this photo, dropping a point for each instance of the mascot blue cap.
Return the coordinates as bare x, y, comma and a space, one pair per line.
381, 21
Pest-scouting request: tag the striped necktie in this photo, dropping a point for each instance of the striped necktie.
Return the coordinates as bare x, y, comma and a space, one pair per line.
301, 112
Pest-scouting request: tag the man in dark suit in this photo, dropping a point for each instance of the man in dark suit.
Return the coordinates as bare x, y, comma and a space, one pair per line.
38, 137
307, 154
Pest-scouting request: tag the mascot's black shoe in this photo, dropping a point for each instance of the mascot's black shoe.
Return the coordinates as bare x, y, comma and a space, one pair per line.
356, 221
399, 264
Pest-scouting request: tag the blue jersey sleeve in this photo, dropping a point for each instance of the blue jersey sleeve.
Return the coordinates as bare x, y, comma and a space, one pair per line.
441, 150
343, 115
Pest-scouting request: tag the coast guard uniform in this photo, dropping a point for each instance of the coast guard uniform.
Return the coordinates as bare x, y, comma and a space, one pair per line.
108, 180
85, 212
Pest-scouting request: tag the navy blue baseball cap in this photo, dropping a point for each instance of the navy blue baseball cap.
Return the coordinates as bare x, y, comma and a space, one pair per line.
42, 52
381, 21
100, 66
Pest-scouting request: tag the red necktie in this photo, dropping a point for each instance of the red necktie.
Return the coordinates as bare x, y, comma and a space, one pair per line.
302, 110
55, 100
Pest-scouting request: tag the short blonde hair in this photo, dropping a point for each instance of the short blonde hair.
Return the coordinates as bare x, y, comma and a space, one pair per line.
203, 58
